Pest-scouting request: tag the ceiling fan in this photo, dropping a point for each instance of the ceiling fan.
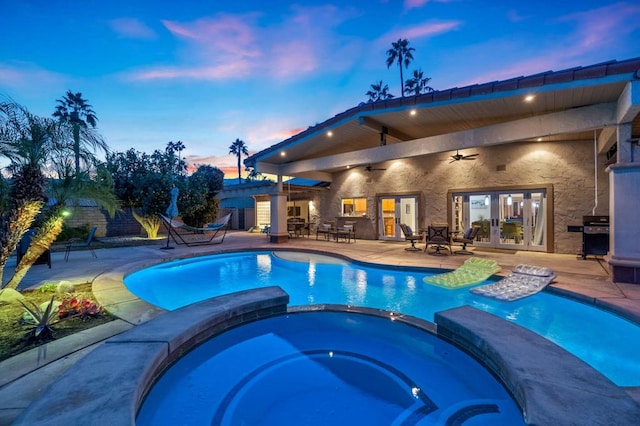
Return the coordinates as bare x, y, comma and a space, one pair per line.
459, 157
369, 168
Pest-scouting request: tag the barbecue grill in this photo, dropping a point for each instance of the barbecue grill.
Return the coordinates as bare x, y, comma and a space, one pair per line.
595, 235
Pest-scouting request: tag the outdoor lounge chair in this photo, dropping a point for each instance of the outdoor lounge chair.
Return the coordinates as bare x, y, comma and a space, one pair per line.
182, 233
77, 243
467, 238
438, 235
411, 237
523, 281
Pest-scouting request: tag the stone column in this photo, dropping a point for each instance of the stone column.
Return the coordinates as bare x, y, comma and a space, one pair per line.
278, 198
624, 208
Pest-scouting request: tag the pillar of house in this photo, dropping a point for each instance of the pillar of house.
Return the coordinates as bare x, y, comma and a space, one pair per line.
624, 208
278, 199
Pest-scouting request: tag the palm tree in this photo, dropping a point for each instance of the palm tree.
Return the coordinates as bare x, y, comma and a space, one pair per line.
400, 52
171, 148
238, 148
26, 141
418, 83
68, 187
378, 92
74, 111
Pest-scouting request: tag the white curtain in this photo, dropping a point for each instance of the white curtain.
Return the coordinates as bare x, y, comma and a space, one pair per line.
538, 238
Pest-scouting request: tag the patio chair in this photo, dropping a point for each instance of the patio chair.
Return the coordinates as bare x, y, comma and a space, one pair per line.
346, 231
77, 243
325, 228
411, 237
438, 236
182, 233
467, 238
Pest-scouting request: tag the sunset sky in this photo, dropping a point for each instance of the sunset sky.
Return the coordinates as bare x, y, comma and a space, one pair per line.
208, 72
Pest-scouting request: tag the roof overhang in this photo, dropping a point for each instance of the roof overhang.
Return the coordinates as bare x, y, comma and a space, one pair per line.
565, 105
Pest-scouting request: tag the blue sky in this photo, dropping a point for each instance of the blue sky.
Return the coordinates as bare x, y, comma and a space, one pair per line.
208, 72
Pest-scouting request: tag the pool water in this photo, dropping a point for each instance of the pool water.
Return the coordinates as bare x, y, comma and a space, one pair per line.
327, 368
607, 342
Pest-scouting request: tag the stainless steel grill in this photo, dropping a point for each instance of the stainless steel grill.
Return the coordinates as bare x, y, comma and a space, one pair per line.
595, 235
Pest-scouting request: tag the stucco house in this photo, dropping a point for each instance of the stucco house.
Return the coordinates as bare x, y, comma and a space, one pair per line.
526, 159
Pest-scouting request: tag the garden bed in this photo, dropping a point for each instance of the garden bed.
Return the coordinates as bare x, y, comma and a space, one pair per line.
13, 335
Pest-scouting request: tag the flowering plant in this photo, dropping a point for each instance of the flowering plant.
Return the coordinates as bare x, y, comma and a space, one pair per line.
83, 308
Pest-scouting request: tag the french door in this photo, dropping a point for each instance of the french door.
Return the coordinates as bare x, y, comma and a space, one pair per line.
394, 210
512, 219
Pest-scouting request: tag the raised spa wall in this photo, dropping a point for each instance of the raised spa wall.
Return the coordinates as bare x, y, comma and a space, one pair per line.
550, 385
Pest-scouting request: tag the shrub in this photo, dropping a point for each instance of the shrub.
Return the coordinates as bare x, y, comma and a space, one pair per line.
47, 288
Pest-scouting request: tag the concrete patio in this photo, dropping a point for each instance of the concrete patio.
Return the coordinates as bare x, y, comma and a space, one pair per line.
24, 377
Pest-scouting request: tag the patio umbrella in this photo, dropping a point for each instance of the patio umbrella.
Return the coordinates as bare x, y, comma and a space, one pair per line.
172, 211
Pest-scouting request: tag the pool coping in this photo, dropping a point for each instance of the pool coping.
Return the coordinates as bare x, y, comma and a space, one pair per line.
550, 385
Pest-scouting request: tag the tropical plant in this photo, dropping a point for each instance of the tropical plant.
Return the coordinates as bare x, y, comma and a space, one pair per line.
418, 83
238, 148
74, 111
378, 92
25, 139
42, 329
400, 53
68, 189
171, 148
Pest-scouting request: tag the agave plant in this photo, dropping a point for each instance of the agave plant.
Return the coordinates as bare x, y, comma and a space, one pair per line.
44, 320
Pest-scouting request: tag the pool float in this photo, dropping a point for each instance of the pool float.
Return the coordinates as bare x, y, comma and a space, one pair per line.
472, 271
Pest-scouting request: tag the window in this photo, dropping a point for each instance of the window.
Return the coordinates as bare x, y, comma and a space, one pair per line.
354, 207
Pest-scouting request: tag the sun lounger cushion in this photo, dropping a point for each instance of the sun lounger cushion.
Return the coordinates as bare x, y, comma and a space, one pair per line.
471, 272
523, 281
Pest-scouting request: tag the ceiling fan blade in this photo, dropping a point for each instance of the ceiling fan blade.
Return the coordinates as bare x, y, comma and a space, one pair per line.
468, 158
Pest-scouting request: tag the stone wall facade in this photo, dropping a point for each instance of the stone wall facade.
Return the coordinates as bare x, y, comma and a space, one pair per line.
567, 166
122, 224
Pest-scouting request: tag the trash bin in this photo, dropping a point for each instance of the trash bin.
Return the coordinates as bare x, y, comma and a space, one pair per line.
23, 246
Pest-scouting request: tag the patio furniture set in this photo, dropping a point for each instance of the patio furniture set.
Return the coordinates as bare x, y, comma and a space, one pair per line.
438, 239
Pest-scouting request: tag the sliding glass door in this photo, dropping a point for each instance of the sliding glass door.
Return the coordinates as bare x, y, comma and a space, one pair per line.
511, 219
394, 210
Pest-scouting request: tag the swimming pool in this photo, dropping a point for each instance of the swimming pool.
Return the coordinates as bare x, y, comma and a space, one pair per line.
607, 342
327, 368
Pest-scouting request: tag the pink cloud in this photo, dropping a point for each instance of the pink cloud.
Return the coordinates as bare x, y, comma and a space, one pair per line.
231, 70
131, 28
601, 27
411, 4
419, 31
414, 4
225, 33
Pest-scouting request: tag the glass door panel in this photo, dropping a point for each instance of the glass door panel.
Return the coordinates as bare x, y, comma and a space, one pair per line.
388, 218
393, 211
507, 219
480, 215
510, 219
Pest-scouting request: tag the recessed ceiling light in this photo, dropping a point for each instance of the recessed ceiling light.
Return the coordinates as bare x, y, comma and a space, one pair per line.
413, 112
282, 154
329, 133
539, 139
529, 98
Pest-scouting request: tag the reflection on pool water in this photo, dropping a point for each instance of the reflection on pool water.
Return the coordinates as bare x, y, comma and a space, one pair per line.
327, 368
607, 342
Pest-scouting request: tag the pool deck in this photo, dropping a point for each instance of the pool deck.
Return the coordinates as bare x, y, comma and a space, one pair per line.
23, 378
